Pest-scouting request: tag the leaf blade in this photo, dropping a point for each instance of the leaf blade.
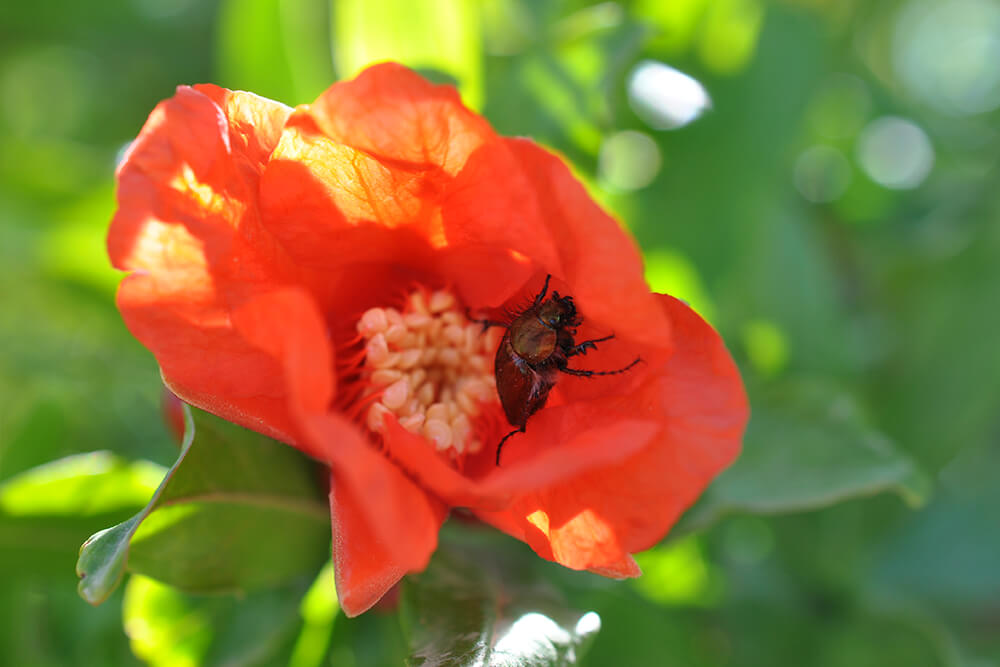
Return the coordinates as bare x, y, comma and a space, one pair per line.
807, 447
201, 530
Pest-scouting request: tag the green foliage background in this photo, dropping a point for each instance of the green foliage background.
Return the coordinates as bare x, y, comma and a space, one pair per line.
859, 527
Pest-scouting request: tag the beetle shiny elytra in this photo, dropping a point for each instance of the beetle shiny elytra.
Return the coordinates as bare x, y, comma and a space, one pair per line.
536, 347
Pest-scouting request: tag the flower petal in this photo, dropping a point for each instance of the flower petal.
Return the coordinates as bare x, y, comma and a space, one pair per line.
416, 455
186, 210
626, 568
384, 525
597, 257
398, 117
595, 519
286, 324
254, 125
390, 168
195, 165
557, 449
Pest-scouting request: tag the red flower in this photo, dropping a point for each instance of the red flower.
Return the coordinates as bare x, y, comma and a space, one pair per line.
306, 273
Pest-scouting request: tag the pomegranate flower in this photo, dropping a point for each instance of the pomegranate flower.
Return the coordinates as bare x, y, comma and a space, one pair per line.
309, 273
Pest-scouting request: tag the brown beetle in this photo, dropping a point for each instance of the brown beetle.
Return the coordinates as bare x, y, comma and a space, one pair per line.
535, 348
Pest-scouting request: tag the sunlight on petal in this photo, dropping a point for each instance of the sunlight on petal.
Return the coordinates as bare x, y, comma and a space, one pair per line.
165, 245
202, 193
540, 520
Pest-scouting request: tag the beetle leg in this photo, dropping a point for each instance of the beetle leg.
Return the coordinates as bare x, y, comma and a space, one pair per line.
581, 348
583, 373
516, 430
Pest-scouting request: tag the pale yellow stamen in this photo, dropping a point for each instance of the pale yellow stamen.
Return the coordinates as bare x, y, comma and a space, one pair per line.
432, 367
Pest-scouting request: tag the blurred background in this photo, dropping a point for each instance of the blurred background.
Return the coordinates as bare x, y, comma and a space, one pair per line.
818, 178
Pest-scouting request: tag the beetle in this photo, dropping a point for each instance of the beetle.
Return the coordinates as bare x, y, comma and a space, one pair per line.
536, 347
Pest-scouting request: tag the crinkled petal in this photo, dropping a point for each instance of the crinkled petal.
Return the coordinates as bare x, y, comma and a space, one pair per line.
398, 117
195, 165
391, 169
185, 227
596, 519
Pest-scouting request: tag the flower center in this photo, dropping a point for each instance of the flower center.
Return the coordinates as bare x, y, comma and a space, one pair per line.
430, 367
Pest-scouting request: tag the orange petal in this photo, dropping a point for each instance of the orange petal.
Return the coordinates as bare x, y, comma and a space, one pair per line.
202, 359
381, 150
255, 125
384, 526
389, 168
595, 519
190, 178
598, 259
556, 449
566, 441
626, 568
186, 197
286, 324
417, 456
399, 118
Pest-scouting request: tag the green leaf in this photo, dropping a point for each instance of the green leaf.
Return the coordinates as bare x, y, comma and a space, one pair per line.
167, 627
37, 547
278, 49
471, 608
956, 532
237, 511
46, 511
70, 375
436, 35
807, 446
319, 610
80, 485
43, 623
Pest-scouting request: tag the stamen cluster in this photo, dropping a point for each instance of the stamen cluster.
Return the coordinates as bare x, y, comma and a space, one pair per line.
430, 367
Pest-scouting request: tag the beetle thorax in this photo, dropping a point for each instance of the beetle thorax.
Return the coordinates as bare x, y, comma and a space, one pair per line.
557, 312
532, 339
535, 333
